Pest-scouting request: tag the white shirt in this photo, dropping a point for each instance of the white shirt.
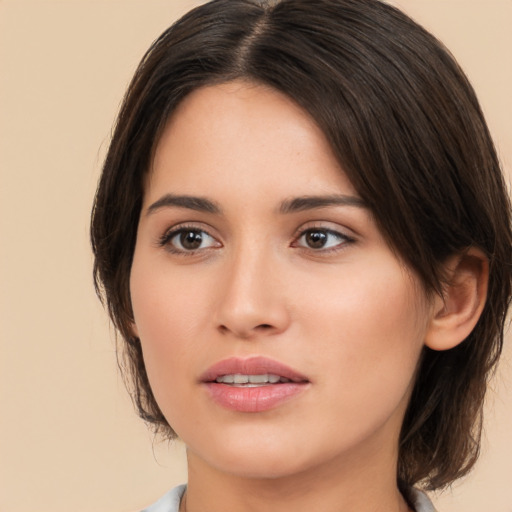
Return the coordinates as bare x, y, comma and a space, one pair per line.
170, 502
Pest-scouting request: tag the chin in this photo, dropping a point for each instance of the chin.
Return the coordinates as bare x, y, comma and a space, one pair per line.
264, 459
244, 456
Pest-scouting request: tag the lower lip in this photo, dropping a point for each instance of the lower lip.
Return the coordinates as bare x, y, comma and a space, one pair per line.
253, 399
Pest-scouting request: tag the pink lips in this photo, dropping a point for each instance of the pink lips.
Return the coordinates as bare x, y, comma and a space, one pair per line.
252, 399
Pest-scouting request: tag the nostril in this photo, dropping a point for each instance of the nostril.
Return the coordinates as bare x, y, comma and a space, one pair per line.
243, 333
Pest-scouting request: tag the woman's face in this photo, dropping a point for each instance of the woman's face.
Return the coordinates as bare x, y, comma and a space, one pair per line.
255, 256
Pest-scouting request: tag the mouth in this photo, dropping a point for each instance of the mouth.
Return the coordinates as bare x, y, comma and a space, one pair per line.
252, 372
256, 384
239, 380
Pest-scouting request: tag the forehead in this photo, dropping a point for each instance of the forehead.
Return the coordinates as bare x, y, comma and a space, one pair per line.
244, 135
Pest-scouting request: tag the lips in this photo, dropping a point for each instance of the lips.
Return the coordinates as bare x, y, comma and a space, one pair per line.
256, 384
251, 366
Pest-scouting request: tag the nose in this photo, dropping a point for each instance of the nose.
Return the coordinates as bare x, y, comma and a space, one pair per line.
251, 298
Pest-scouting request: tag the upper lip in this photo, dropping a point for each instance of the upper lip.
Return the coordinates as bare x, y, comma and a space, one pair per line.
251, 366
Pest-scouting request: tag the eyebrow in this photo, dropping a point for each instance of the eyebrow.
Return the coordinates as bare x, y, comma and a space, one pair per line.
296, 204
299, 204
200, 204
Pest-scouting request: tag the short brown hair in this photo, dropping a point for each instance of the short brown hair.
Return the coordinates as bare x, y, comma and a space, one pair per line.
407, 129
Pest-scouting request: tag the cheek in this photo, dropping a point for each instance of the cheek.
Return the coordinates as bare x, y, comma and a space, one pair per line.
167, 310
379, 307
167, 303
369, 329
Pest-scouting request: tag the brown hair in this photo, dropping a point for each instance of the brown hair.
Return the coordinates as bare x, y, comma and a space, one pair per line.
407, 129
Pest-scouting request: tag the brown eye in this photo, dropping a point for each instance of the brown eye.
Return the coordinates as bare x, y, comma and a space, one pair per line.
188, 240
191, 240
318, 239
315, 239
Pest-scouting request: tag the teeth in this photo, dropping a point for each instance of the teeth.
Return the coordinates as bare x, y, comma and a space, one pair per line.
239, 378
258, 379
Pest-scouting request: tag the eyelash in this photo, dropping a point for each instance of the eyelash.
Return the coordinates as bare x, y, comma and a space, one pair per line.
166, 240
343, 240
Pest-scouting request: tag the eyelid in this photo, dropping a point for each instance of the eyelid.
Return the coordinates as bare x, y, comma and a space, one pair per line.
345, 235
338, 231
167, 236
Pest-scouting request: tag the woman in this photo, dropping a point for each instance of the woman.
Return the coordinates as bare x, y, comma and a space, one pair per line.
303, 237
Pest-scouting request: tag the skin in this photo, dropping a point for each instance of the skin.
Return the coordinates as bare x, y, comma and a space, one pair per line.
349, 315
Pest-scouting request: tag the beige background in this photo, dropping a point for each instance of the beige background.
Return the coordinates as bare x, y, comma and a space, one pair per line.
69, 439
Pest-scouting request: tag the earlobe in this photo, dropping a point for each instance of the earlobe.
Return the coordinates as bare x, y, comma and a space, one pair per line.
135, 331
456, 313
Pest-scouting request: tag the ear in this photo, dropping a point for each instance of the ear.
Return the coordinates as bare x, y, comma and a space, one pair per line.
133, 327
456, 313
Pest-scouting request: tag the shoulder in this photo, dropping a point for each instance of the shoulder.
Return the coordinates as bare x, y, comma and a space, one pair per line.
421, 501
169, 502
